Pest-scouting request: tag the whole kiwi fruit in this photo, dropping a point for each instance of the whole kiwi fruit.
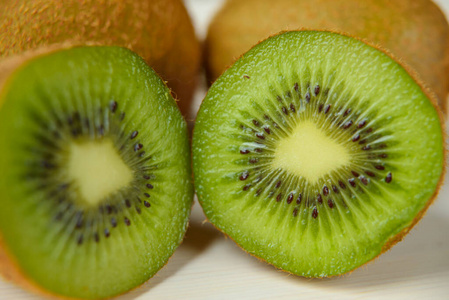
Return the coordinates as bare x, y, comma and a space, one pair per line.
158, 30
317, 152
95, 183
416, 32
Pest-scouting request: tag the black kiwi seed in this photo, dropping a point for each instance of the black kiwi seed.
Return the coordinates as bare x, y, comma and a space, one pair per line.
352, 182
317, 90
127, 221
279, 197
137, 147
253, 160
284, 110
347, 124
106, 232
134, 134
299, 199
315, 213
362, 124
330, 203
325, 190
320, 107
319, 199
146, 203
356, 137
267, 129
307, 97
355, 174
149, 185
113, 222
370, 174
113, 106
290, 198
364, 180
389, 178
292, 107
244, 175
244, 151
335, 189
295, 212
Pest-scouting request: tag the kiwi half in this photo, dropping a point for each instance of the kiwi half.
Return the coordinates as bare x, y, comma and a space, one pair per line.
316, 152
95, 188
158, 30
415, 31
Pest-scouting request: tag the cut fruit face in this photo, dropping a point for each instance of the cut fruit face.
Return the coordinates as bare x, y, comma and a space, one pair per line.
315, 152
95, 190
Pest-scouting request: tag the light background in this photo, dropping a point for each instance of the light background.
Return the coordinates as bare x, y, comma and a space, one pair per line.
209, 266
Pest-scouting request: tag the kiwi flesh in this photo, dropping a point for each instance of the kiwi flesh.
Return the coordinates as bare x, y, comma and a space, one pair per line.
316, 152
95, 190
158, 30
416, 31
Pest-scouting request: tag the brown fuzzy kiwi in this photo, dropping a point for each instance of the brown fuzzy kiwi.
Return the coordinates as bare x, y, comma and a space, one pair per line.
158, 30
415, 31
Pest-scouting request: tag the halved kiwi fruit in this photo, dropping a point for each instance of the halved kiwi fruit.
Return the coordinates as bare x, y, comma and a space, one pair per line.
95, 184
415, 31
158, 30
316, 152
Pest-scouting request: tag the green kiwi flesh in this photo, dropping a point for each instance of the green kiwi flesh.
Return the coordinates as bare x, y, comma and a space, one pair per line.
316, 152
95, 190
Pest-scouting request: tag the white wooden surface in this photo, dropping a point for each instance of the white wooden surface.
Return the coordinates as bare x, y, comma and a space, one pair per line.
209, 266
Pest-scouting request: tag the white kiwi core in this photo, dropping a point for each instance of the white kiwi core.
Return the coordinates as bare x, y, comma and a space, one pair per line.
97, 170
309, 153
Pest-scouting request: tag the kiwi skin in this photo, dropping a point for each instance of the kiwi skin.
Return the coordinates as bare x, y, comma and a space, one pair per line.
158, 30
10, 269
414, 31
430, 94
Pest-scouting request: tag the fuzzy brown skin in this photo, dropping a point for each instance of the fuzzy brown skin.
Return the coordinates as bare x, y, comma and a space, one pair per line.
415, 31
158, 30
435, 103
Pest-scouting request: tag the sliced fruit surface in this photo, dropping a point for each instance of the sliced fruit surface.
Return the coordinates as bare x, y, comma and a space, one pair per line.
316, 152
95, 183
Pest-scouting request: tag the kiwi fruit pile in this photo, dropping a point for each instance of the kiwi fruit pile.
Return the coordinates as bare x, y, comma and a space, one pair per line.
317, 152
160, 31
416, 32
96, 185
